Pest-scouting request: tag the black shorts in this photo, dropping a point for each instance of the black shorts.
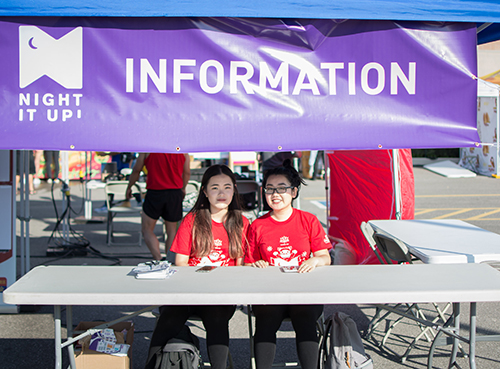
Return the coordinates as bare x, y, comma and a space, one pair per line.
164, 203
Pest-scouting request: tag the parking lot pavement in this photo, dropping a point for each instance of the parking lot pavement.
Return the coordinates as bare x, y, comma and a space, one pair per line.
26, 339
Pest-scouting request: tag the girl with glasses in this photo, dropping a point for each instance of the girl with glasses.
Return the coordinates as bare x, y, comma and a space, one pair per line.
286, 237
212, 233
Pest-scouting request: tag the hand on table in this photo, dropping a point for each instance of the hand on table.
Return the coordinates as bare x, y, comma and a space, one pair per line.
260, 264
309, 265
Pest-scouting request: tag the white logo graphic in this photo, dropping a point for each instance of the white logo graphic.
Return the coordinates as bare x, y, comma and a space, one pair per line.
284, 239
42, 55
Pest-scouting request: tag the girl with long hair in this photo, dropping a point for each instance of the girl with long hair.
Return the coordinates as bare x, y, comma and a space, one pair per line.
212, 233
286, 237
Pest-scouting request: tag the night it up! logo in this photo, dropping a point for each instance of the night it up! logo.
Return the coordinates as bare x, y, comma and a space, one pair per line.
60, 60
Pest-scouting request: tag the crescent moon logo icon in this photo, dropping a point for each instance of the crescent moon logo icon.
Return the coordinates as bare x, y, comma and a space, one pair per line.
30, 43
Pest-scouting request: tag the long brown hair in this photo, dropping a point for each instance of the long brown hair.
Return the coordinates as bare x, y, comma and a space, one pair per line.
203, 239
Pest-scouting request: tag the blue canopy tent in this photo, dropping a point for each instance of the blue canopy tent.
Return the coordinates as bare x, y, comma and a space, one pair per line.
483, 12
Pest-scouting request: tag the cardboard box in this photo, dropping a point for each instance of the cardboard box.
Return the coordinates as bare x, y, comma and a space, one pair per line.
89, 359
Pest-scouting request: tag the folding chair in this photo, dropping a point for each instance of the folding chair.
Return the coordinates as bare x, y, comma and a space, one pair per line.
196, 318
192, 191
368, 233
320, 326
394, 250
250, 195
117, 204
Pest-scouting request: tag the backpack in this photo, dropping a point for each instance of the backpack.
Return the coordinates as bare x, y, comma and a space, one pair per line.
181, 352
345, 350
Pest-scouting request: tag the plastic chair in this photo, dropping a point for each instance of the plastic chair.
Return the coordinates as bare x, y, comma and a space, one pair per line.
320, 325
251, 203
118, 204
192, 191
368, 232
394, 250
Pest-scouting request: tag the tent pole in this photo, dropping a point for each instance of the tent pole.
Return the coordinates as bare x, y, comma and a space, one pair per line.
396, 182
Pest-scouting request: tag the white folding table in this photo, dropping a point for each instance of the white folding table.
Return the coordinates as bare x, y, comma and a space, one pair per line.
445, 241
356, 284
442, 241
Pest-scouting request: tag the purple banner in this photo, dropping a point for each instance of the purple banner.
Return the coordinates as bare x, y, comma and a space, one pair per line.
206, 84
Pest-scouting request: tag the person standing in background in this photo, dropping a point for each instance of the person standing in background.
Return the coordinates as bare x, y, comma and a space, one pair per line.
31, 170
51, 157
168, 176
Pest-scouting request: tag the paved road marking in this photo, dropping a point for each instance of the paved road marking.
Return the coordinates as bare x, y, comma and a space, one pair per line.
478, 217
424, 211
456, 211
461, 211
319, 204
463, 195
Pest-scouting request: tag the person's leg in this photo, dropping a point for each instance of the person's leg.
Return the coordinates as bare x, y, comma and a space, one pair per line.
168, 325
312, 160
170, 230
216, 322
304, 318
148, 226
31, 186
171, 214
305, 163
38, 156
56, 163
48, 164
268, 319
319, 165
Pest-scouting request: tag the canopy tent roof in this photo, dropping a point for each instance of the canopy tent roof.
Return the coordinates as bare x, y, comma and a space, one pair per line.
482, 12
31, 20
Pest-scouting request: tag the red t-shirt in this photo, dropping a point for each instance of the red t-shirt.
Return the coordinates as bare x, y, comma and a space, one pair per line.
219, 255
286, 243
165, 171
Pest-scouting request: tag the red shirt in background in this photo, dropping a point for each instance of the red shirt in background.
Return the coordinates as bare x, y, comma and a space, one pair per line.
164, 171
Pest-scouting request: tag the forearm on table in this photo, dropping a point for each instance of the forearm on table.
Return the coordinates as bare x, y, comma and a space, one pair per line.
322, 260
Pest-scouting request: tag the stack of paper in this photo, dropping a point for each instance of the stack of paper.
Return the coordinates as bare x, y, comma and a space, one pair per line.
105, 341
153, 270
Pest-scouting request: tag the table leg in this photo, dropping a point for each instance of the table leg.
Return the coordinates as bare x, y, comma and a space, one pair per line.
472, 345
57, 335
69, 329
456, 319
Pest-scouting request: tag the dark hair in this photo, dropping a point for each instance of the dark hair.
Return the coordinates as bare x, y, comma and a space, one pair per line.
289, 172
203, 239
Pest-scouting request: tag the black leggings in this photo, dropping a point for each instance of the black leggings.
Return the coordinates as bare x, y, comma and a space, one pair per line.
215, 320
268, 321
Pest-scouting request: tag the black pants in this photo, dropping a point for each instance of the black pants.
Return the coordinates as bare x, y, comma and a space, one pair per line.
215, 320
268, 321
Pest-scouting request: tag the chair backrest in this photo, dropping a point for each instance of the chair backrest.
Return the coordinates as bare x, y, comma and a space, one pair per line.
116, 190
393, 248
192, 191
368, 233
246, 187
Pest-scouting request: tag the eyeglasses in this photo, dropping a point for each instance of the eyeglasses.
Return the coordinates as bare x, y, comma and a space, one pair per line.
280, 190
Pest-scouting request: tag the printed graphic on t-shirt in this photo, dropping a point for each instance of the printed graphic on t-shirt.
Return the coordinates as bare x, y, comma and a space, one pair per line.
216, 257
285, 254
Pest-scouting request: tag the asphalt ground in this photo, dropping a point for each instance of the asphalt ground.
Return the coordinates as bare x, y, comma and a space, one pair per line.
26, 339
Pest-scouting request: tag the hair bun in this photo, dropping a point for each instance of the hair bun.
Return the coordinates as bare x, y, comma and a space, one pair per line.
287, 163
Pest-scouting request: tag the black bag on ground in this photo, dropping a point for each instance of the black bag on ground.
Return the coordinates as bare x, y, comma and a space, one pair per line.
181, 352
345, 349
